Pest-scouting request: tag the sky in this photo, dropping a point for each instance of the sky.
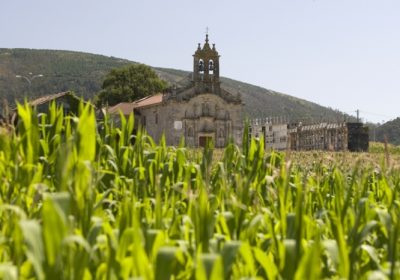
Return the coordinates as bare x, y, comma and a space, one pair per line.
343, 54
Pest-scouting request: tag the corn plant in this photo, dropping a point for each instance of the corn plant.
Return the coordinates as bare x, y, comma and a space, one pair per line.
88, 199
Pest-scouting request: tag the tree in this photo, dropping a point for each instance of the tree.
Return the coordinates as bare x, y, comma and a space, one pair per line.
128, 84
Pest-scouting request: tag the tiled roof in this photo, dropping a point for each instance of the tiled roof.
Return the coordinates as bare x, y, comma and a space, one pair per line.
313, 126
124, 107
48, 98
149, 100
319, 126
127, 107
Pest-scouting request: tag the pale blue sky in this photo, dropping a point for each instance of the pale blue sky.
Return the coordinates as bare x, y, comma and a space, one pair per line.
339, 53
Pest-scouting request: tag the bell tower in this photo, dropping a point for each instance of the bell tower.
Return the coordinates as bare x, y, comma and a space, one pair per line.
206, 69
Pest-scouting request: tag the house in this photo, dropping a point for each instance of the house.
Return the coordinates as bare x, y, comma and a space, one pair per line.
68, 100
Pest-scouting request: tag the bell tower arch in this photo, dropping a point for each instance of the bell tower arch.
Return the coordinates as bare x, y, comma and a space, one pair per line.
206, 69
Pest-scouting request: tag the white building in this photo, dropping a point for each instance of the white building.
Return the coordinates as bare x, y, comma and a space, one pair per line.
274, 130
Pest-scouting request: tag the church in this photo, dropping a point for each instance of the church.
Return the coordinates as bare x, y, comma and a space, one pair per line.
203, 112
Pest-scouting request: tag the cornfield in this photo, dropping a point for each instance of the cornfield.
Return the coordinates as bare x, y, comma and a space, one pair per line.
81, 199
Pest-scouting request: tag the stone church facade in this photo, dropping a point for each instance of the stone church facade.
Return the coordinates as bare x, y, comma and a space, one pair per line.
205, 111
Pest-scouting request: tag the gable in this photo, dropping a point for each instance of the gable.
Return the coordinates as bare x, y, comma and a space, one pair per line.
188, 94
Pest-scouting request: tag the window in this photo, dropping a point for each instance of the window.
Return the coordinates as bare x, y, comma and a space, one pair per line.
205, 108
201, 66
211, 67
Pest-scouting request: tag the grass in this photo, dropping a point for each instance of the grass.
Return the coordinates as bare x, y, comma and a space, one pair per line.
85, 200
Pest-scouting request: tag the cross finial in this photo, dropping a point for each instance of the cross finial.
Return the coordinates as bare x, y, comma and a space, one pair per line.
207, 34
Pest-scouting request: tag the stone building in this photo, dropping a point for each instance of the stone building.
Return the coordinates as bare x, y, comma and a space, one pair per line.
204, 111
345, 136
274, 130
280, 135
322, 136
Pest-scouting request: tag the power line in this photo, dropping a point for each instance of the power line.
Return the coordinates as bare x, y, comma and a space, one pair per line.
367, 113
376, 114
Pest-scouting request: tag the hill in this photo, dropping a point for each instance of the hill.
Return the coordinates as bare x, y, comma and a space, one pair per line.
390, 129
84, 73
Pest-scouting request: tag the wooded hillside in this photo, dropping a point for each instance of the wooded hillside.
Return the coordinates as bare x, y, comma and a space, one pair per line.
84, 73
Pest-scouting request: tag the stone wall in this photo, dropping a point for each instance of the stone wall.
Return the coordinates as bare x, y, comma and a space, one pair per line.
205, 115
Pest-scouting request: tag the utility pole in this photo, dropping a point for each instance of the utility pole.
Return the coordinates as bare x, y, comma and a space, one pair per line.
374, 133
358, 115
